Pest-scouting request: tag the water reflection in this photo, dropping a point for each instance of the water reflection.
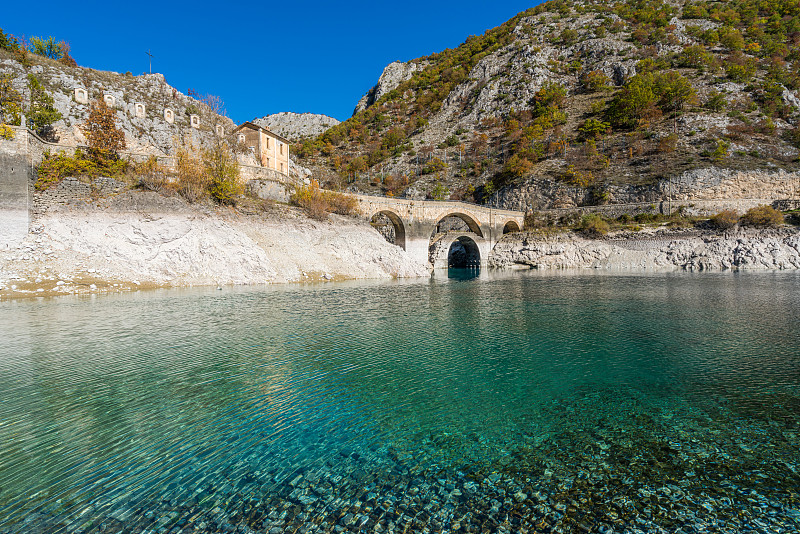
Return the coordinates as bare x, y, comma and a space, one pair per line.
465, 273
186, 402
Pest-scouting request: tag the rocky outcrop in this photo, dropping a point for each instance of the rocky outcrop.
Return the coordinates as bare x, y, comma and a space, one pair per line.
693, 186
146, 132
393, 75
660, 250
294, 126
142, 239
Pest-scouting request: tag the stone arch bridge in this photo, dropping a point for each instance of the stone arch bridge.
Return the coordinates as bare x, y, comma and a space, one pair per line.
419, 229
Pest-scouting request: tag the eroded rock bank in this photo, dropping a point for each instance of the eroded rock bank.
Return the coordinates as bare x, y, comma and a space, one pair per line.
141, 239
660, 249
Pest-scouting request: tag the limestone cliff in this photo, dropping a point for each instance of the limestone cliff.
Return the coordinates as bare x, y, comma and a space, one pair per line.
294, 126
393, 75
147, 130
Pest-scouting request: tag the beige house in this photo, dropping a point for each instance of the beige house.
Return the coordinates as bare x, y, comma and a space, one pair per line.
270, 149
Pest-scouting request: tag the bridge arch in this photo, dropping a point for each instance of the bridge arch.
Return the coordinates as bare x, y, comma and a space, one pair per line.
463, 253
470, 220
397, 223
511, 226
458, 249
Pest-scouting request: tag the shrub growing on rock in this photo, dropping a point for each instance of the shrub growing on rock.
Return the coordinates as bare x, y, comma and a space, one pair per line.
764, 216
104, 138
42, 112
10, 101
724, 220
433, 166
54, 169
594, 225
318, 203
193, 178
223, 171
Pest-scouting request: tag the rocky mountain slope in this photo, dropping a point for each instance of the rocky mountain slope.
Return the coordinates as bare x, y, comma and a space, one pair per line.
148, 132
594, 96
296, 126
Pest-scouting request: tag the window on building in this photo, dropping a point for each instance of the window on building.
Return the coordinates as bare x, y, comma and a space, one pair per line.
281, 167
267, 142
280, 145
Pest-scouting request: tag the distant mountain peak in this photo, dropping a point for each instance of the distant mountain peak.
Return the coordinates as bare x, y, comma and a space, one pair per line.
295, 126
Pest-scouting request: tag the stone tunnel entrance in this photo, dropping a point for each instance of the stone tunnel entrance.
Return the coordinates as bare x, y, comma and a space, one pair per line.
464, 254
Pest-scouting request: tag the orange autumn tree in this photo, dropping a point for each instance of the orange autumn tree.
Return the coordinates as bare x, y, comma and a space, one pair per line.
104, 138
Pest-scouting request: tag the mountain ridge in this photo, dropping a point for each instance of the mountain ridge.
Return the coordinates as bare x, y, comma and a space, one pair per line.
296, 126
551, 94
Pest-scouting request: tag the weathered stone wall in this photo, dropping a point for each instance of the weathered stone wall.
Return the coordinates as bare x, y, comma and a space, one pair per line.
270, 190
692, 187
695, 207
73, 190
252, 172
14, 191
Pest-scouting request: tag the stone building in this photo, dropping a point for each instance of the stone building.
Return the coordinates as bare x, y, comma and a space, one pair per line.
270, 148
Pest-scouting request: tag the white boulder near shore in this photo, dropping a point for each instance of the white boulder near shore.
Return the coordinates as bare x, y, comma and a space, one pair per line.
655, 250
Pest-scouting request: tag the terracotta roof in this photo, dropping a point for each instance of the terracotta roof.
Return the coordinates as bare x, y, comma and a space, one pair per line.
253, 126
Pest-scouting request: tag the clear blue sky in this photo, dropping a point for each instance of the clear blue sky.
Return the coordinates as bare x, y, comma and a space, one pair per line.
263, 57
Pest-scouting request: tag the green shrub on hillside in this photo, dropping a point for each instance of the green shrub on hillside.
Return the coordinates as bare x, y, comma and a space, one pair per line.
647, 96
595, 81
716, 101
42, 112
6, 132
724, 220
223, 170
433, 166
594, 225
8, 41
763, 216
10, 102
47, 47
593, 128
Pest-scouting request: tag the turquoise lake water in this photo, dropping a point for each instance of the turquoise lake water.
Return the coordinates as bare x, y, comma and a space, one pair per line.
504, 403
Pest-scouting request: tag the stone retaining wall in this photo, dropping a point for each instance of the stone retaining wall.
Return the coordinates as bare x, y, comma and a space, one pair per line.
14, 191
270, 190
71, 190
698, 208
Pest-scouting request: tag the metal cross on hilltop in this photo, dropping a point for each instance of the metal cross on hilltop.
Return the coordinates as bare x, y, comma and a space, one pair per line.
151, 60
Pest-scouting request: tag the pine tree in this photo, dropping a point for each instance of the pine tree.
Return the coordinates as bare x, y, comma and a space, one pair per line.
41, 114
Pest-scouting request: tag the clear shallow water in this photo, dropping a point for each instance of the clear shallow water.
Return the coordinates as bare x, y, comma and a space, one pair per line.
507, 403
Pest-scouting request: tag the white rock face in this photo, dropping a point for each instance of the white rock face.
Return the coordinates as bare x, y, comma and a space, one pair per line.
738, 250
146, 129
142, 238
294, 126
393, 75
